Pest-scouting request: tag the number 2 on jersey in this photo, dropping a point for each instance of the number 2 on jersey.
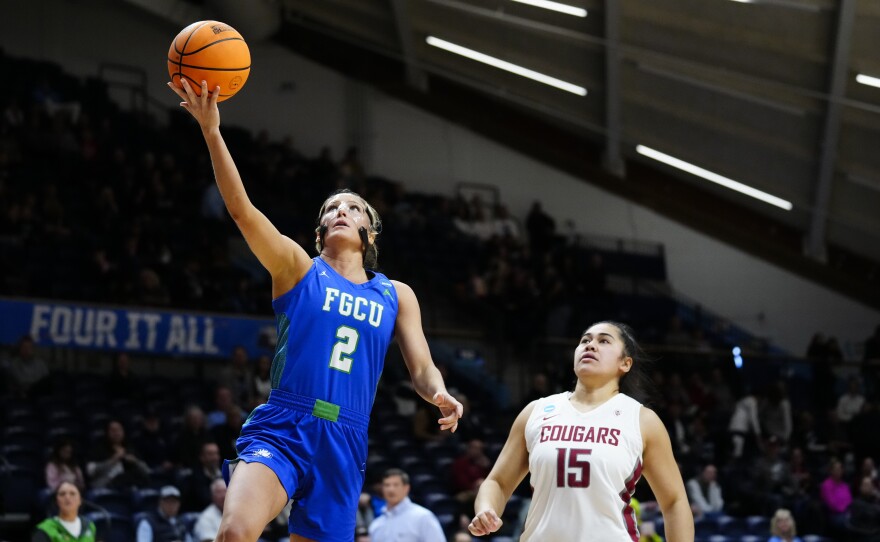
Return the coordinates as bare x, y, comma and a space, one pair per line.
574, 463
340, 358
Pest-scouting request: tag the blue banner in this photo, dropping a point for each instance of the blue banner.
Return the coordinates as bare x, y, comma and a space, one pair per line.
137, 330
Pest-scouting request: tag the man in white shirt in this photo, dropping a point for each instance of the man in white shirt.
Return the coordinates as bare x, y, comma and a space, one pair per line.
403, 520
208, 523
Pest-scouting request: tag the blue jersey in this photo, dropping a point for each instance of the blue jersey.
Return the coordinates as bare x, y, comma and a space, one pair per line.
333, 335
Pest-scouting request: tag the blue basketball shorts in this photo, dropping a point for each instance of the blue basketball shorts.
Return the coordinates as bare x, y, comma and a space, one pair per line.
318, 451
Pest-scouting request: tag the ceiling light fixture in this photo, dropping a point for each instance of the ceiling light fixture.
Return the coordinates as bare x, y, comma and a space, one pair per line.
868, 80
506, 66
714, 177
556, 6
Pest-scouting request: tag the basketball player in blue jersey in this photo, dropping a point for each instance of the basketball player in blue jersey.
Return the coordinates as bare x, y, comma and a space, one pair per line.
585, 451
335, 320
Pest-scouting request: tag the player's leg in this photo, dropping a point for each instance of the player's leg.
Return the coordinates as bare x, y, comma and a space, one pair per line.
254, 498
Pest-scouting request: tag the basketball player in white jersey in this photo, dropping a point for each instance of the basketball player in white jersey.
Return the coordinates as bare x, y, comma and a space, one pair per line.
585, 451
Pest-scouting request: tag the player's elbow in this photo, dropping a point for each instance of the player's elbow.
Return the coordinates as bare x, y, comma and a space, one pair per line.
236, 532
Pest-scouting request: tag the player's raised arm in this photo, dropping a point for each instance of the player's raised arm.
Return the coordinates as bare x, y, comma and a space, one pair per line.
285, 260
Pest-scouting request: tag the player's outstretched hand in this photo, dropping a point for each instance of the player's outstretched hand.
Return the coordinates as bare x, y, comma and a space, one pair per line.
451, 410
485, 522
202, 107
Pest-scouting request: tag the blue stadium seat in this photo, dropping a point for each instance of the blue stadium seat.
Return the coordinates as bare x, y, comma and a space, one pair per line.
758, 525
731, 526
18, 489
114, 501
752, 538
22, 435
704, 528
112, 527
145, 499
815, 538
22, 457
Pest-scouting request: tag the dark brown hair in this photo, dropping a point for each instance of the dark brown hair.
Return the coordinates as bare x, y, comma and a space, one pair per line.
637, 382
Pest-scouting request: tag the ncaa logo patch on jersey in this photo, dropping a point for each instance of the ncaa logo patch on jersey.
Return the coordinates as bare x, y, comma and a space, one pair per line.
549, 408
262, 452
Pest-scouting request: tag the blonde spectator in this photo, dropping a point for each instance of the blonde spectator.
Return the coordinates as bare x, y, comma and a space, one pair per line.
782, 527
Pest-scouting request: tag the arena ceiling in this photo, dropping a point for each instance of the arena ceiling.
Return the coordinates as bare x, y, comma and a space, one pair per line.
765, 93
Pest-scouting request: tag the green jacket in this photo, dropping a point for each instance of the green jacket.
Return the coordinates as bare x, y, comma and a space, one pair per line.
51, 530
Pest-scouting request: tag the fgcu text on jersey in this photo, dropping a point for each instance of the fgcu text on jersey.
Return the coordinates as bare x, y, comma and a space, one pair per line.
333, 335
358, 307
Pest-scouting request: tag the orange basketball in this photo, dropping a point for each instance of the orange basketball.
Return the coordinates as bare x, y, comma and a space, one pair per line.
210, 51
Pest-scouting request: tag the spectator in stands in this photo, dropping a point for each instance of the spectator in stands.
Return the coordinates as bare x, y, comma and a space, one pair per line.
361, 534
237, 376
835, 353
63, 467
365, 512
782, 527
772, 477
424, 424
677, 427
775, 413
721, 396
836, 496
469, 470
869, 470
403, 519
864, 512
226, 434
863, 430
222, 401
818, 347
208, 524
164, 524
113, 462
193, 434
704, 493
744, 426
801, 475
675, 392
850, 403
152, 441
262, 381
199, 493
541, 228
68, 525
26, 370
808, 438
123, 383
504, 226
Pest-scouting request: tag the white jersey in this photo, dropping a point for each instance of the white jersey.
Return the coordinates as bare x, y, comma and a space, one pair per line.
584, 467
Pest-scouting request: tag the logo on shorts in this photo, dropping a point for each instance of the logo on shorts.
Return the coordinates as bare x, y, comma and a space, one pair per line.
262, 452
